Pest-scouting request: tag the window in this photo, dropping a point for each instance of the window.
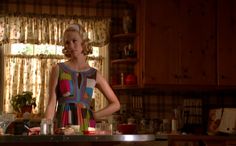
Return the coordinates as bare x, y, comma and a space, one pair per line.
27, 68
19, 69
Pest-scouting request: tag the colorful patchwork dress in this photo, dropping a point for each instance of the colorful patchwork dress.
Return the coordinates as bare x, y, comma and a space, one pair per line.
74, 96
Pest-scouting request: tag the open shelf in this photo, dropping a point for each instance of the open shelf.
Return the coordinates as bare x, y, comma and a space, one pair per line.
124, 35
117, 87
126, 60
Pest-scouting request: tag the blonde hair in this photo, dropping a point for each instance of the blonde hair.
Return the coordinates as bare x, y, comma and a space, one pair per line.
86, 45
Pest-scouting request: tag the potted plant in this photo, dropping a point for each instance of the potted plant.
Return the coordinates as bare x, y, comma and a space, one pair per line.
23, 102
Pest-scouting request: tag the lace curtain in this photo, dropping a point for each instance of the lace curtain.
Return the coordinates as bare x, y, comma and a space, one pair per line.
31, 73
48, 29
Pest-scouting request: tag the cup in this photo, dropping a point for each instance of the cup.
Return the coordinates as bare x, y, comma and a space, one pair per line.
103, 128
46, 127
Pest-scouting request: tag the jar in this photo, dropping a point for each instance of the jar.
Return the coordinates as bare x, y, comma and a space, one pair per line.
46, 127
43, 127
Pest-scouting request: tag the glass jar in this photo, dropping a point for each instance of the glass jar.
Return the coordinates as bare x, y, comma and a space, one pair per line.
46, 127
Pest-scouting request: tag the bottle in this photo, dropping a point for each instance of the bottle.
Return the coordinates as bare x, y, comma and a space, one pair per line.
174, 122
122, 79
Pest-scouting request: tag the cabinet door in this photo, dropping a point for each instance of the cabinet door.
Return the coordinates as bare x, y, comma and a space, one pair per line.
160, 64
197, 42
227, 42
180, 42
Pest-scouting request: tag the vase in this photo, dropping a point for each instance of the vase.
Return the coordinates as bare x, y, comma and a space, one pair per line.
127, 22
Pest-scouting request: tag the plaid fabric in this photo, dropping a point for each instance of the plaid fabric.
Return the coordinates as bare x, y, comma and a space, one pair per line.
114, 9
65, 7
161, 106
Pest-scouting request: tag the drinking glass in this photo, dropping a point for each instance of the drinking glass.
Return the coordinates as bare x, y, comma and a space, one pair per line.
6, 120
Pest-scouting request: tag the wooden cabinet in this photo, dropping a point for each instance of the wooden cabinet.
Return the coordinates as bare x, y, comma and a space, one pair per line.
160, 53
179, 43
227, 42
204, 139
231, 143
197, 42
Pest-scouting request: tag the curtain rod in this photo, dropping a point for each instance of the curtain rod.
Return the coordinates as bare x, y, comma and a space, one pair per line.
56, 16
44, 56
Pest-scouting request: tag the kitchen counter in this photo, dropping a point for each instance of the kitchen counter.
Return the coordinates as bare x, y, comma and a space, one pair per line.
57, 140
208, 140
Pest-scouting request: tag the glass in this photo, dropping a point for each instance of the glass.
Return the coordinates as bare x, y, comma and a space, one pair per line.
46, 127
5, 121
104, 128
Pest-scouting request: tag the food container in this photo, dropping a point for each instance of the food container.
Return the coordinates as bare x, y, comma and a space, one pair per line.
76, 128
104, 128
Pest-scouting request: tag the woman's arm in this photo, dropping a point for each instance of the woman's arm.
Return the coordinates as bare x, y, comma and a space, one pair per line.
50, 110
114, 104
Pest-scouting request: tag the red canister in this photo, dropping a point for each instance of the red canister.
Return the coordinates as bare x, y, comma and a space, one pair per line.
130, 79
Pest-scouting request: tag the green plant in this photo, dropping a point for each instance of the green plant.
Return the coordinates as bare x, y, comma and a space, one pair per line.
21, 100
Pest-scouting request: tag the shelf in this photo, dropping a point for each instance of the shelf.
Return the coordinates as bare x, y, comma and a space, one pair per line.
127, 60
124, 36
117, 87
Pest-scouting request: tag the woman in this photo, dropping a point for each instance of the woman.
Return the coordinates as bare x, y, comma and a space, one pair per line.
72, 83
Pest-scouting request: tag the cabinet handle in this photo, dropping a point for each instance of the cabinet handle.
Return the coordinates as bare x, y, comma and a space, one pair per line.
177, 76
223, 77
186, 77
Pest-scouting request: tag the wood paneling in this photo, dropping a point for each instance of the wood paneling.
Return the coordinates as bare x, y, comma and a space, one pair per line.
227, 42
180, 43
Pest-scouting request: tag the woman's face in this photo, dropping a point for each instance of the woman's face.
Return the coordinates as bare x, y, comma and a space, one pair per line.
73, 43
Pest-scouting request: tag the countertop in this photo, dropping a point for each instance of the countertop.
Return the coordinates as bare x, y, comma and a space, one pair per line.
192, 137
76, 138
209, 140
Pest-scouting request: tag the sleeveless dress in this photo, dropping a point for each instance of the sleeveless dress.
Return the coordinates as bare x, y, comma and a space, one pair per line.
74, 96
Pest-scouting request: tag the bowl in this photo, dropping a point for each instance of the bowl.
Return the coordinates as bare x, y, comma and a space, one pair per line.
127, 128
